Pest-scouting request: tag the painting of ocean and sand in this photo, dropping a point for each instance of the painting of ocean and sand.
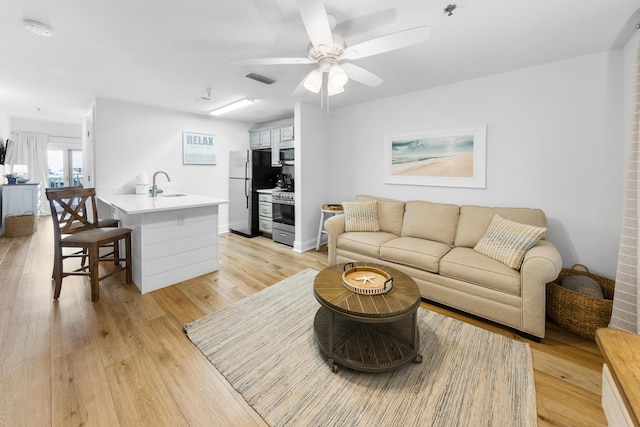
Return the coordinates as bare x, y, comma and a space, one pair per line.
445, 156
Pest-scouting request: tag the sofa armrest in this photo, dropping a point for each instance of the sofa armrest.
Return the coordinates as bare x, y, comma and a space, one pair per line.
542, 264
335, 227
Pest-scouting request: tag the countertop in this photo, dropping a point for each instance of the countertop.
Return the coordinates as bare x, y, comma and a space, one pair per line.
21, 183
142, 203
267, 190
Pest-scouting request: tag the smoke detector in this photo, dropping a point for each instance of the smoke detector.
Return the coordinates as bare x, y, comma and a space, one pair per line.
38, 28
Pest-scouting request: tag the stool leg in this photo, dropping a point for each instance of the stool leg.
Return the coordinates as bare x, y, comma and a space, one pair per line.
94, 278
128, 257
320, 231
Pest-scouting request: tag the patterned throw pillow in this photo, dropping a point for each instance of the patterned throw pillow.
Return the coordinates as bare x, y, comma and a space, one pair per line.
507, 241
361, 216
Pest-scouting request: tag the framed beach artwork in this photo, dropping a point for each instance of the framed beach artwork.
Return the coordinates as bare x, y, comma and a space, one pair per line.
447, 157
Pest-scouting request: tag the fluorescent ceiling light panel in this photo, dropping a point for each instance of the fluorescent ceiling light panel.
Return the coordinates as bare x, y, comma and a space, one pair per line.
233, 106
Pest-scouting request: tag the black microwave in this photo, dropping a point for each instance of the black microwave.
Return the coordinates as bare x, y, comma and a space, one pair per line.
287, 156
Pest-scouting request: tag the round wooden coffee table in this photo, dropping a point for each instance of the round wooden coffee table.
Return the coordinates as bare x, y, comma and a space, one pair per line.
371, 333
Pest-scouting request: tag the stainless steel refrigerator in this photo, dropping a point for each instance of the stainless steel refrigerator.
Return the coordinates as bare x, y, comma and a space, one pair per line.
249, 170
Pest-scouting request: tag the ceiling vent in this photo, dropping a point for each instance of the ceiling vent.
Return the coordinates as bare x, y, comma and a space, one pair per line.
204, 98
261, 79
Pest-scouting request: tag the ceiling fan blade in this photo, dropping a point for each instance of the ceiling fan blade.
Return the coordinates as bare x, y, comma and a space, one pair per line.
361, 75
363, 23
316, 22
272, 61
386, 43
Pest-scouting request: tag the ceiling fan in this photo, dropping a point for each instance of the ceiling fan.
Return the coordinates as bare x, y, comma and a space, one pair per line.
330, 52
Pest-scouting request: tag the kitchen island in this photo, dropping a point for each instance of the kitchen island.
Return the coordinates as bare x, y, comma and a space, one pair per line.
174, 238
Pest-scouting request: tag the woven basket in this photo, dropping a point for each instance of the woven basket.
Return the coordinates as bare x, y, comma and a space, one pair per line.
20, 225
576, 312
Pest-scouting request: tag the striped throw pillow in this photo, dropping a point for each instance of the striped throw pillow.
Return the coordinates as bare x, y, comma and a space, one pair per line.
361, 216
507, 241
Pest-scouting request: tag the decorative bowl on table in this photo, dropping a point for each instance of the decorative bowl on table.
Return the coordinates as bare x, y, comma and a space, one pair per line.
366, 280
23, 180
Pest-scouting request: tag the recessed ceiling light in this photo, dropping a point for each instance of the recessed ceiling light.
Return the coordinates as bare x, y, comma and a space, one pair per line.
38, 28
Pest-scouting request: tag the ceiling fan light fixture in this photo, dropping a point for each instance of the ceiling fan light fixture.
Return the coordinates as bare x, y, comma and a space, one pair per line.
231, 107
337, 76
313, 82
334, 90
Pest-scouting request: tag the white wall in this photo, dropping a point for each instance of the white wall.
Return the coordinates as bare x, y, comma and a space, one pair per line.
5, 133
554, 142
5, 126
53, 129
134, 138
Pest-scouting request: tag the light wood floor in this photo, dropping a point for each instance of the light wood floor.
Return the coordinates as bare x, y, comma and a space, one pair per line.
126, 361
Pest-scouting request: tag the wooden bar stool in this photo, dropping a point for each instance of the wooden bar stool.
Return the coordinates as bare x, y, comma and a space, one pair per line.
75, 225
326, 212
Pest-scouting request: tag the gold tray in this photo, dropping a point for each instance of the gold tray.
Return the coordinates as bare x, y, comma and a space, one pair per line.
366, 280
333, 207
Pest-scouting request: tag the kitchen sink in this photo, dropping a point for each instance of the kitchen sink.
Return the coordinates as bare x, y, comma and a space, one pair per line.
171, 195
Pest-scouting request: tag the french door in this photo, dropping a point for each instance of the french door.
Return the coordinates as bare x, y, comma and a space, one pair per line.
65, 167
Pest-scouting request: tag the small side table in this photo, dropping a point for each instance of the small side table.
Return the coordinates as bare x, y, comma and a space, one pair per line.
326, 212
620, 376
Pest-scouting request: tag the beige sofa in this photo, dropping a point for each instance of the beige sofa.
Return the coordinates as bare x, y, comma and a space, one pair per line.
433, 243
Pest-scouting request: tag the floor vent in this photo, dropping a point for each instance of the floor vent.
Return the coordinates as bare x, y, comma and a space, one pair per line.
261, 79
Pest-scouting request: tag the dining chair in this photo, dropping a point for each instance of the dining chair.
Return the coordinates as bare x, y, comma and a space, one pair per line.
75, 225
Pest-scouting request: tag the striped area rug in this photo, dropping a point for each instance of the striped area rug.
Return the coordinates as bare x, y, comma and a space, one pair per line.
264, 346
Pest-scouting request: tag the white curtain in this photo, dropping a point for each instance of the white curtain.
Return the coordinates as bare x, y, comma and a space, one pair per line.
626, 301
31, 150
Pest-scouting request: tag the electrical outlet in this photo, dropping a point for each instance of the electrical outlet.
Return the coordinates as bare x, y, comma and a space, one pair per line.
181, 220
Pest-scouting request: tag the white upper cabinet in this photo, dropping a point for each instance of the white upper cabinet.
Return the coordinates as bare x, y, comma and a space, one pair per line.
274, 137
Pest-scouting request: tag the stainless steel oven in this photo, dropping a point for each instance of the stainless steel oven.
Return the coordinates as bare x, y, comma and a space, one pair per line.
283, 217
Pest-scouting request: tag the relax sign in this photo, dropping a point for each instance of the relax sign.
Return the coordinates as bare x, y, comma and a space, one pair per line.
198, 149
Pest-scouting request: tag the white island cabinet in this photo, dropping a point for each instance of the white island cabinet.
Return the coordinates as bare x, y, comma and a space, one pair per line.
174, 238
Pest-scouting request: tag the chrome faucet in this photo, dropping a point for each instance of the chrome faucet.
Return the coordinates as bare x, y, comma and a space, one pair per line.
154, 189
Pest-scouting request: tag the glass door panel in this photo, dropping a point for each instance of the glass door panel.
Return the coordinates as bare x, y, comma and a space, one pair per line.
75, 157
56, 159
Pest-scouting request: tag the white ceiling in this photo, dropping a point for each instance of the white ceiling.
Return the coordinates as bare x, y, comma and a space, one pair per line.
165, 53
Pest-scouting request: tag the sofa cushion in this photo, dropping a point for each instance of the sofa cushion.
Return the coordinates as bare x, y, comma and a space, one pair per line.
390, 213
364, 242
470, 266
418, 253
474, 221
361, 216
430, 221
507, 241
